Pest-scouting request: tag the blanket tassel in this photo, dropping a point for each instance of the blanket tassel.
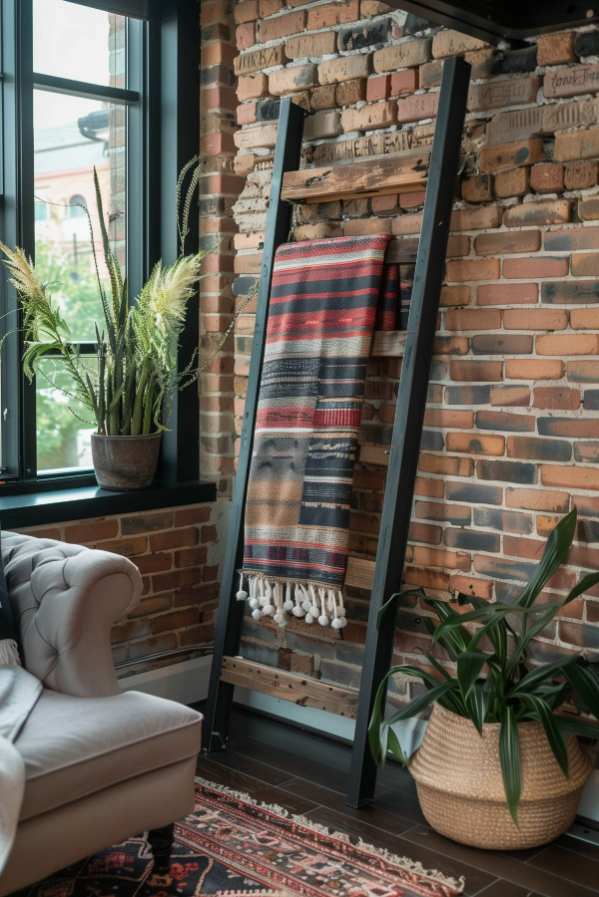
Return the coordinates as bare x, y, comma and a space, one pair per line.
313, 604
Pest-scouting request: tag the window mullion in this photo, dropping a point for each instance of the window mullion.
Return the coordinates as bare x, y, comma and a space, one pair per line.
24, 208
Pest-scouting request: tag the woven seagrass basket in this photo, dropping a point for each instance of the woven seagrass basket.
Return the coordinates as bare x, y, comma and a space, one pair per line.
460, 786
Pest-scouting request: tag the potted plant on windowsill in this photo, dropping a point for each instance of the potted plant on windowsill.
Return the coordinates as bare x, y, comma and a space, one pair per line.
500, 765
136, 347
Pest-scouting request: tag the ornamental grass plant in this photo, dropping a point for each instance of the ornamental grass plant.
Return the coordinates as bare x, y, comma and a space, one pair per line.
136, 341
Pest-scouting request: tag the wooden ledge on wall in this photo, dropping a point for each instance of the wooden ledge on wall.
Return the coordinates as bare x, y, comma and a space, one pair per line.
303, 690
369, 177
389, 344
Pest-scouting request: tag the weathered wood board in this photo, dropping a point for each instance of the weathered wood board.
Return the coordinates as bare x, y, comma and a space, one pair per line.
360, 573
370, 177
389, 343
373, 453
303, 690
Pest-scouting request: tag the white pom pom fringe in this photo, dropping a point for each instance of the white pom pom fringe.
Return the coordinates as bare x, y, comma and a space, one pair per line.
313, 604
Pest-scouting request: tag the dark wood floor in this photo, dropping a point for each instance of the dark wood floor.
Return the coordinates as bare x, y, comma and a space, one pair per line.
307, 774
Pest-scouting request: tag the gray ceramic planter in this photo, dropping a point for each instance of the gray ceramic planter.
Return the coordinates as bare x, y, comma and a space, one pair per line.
125, 462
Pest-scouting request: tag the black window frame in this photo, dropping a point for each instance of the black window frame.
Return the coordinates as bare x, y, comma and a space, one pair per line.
162, 100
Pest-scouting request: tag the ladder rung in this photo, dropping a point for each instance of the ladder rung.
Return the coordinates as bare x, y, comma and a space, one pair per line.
373, 453
303, 690
360, 573
370, 177
389, 343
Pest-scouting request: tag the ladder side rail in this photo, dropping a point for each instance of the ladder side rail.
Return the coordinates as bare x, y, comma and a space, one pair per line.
409, 413
230, 611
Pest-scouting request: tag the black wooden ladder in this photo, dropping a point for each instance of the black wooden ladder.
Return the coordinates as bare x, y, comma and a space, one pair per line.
407, 430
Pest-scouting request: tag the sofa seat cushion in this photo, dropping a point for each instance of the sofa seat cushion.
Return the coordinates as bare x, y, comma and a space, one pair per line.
74, 747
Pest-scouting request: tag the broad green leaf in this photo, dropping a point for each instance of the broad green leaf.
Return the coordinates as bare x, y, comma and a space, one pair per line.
540, 675
585, 684
470, 664
422, 702
394, 746
573, 725
543, 714
525, 638
509, 755
555, 554
437, 666
491, 614
582, 586
554, 695
477, 704
376, 730
378, 739
455, 640
496, 631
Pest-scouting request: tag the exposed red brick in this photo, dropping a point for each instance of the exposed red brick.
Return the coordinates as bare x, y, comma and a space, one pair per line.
403, 82
533, 369
507, 294
535, 267
535, 319
547, 177
513, 182
281, 26
547, 212
556, 397
377, 88
477, 189
506, 242
553, 49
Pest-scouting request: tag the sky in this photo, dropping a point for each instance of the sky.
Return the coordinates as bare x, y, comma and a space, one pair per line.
70, 41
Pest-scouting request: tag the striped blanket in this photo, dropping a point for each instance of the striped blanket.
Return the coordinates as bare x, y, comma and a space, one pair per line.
325, 299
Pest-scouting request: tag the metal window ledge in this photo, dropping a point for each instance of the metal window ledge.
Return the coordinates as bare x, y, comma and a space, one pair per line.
82, 502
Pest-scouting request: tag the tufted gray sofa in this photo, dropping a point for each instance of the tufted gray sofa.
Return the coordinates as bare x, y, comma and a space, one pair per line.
101, 765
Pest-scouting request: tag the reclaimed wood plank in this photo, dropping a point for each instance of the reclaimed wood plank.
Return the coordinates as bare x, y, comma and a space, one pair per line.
369, 177
389, 343
373, 453
303, 690
360, 573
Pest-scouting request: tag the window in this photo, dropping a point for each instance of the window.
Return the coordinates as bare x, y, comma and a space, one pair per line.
83, 86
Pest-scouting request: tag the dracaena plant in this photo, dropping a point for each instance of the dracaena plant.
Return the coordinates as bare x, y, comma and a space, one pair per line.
492, 679
136, 342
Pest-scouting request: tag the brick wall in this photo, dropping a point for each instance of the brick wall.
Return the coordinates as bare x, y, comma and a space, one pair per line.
219, 187
176, 552
512, 424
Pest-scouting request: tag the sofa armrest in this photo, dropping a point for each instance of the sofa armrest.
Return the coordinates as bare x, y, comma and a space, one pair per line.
67, 599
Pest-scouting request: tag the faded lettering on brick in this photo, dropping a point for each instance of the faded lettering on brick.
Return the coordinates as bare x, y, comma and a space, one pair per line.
566, 82
503, 93
570, 115
509, 127
379, 144
257, 60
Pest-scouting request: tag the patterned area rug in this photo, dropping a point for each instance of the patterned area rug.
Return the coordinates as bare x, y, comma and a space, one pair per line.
232, 846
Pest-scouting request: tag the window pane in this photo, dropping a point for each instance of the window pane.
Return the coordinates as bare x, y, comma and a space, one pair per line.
71, 41
72, 136
64, 425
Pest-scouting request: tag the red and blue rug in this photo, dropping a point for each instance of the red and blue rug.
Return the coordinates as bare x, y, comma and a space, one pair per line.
231, 846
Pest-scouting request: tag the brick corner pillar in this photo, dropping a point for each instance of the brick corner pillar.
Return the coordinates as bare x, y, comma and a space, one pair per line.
219, 188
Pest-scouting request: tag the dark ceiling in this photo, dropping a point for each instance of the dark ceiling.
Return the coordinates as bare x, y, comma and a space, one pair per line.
511, 20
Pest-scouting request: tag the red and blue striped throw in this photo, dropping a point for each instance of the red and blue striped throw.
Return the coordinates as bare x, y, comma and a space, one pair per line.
325, 298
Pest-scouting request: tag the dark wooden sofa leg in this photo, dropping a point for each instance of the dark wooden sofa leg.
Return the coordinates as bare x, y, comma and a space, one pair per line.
161, 841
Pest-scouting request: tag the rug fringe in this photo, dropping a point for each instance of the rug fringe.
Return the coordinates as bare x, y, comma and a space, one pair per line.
457, 885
